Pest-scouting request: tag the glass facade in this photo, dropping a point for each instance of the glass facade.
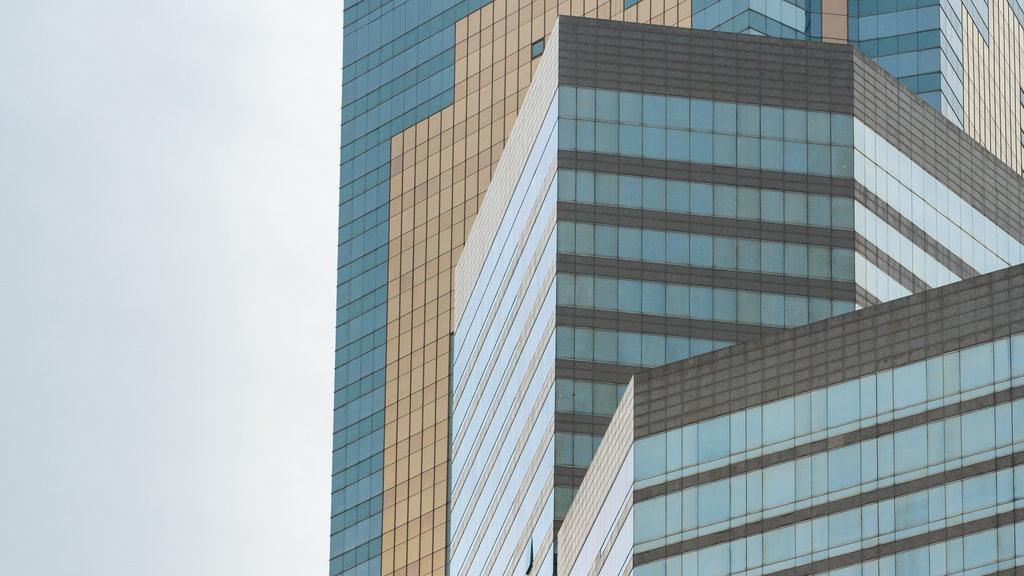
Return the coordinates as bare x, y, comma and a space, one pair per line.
502, 390
799, 462
454, 72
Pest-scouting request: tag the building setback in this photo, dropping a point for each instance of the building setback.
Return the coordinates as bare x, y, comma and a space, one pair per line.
432, 90
884, 441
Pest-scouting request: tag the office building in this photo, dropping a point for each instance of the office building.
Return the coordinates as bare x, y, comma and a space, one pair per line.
669, 192
885, 441
431, 93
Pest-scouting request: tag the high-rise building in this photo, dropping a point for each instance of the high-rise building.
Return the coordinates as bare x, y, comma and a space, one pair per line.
431, 92
885, 441
670, 192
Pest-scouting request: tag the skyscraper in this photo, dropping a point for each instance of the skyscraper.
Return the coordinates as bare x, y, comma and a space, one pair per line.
431, 92
667, 193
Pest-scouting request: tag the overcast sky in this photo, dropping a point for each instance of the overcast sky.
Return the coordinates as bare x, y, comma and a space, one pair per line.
168, 222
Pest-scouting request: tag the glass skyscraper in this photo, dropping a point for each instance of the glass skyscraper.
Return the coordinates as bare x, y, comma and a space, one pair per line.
432, 91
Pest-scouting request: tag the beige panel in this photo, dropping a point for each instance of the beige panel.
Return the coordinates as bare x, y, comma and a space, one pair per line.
440, 169
992, 83
834, 23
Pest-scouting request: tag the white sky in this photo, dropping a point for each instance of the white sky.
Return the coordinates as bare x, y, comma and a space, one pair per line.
168, 222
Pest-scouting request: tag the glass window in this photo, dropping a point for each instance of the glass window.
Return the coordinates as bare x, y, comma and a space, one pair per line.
701, 115
585, 103
649, 456
629, 243
585, 187
677, 248
563, 395
700, 250
566, 101
604, 345
725, 118
796, 156
701, 147
606, 398
701, 302
654, 110
725, 253
606, 293
629, 348
629, 295
677, 301
771, 122
713, 503
606, 189
630, 140
653, 299
725, 149
631, 192
748, 120
563, 449
677, 196
795, 208
842, 130
654, 245
795, 124
748, 255
605, 241
607, 138
779, 484
654, 194
630, 108
772, 155
713, 438
844, 468
796, 259
818, 127
976, 367
677, 145
654, 142
748, 152
537, 48
702, 198
583, 397
909, 385
678, 112
608, 105
584, 292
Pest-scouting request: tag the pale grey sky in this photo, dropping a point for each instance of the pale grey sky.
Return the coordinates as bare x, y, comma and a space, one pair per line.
168, 221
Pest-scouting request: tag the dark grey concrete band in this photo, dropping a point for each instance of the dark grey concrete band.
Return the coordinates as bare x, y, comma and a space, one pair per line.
706, 173
707, 277
707, 225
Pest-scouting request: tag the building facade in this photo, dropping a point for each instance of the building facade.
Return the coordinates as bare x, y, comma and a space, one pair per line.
885, 441
431, 93
660, 199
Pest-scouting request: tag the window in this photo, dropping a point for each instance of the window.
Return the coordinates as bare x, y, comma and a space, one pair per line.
537, 48
629, 3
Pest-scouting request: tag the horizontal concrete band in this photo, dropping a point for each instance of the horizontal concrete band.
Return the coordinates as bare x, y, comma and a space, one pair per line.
825, 444
660, 325
709, 65
707, 277
705, 173
708, 225
852, 502
593, 424
891, 334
